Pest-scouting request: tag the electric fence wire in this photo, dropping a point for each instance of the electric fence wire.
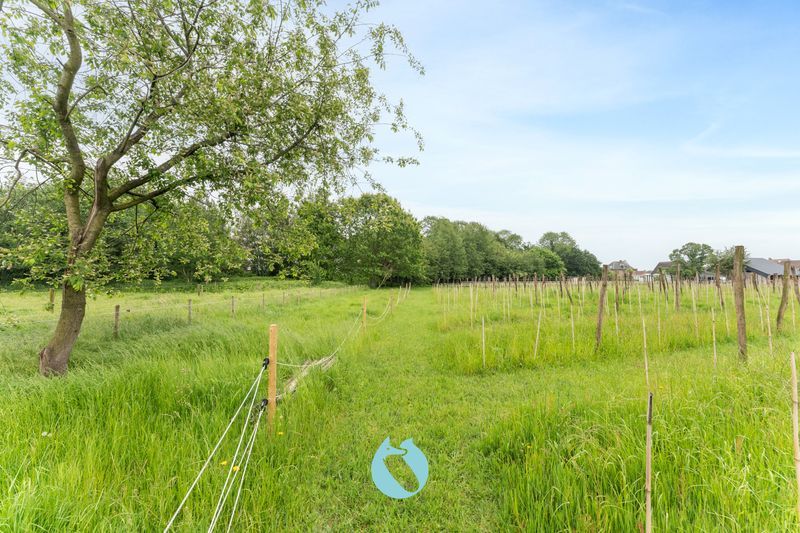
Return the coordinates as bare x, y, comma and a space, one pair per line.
250, 392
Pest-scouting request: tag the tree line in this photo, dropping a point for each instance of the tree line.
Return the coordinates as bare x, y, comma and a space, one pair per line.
367, 239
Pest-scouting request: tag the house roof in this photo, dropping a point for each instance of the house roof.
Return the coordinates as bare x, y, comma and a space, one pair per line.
620, 265
762, 266
664, 265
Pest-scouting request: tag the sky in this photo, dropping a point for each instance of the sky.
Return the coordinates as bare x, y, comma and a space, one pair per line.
635, 126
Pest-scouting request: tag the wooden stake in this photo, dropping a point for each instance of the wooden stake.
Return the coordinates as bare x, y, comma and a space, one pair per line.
52, 305
572, 326
795, 433
644, 349
233, 305
598, 336
364, 315
787, 276
190, 310
272, 378
714, 335
738, 300
648, 468
116, 321
694, 312
483, 340
769, 325
538, 329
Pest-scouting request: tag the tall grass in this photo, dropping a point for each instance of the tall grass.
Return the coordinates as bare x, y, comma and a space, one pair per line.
554, 443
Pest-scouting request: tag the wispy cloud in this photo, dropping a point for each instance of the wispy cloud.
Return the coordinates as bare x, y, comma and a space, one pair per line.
570, 116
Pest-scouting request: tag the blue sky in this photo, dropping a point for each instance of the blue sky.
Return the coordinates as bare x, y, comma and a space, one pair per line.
635, 126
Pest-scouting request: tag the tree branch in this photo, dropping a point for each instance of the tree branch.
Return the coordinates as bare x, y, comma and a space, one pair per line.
142, 198
170, 163
61, 108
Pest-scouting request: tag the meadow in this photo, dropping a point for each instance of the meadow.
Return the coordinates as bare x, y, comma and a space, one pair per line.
524, 423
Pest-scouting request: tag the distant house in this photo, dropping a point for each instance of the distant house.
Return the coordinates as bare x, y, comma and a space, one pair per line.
763, 267
793, 263
620, 266
664, 267
642, 275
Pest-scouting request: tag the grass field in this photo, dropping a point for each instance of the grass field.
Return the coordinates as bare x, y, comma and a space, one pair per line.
540, 438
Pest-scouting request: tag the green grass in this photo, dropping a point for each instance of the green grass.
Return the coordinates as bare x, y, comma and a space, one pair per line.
552, 443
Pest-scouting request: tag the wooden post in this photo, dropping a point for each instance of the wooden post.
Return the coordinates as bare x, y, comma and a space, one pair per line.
678, 287
272, 378
198, 289
572, 326
714, 335
233, 305
794, 433
116, 321
483, 340
648, 468
719, 288
598, 336
644, 350
787, 275
738, 300
52, 305
538, 329
769, 324
190, 310
364, 315
694, 312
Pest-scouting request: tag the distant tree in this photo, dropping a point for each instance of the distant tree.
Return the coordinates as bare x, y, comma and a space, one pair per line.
445, 254
480, 247
541, 261
694, 258
381, 241
724, 260
577, 262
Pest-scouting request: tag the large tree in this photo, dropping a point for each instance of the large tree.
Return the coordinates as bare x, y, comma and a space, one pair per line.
380, 241
119, 103
694, 258
577, 262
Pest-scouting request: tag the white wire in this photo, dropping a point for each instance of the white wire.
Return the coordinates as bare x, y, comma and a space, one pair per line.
214, 451
248, 452
224, 495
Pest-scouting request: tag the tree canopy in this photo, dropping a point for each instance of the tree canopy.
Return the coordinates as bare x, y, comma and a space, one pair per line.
120, 104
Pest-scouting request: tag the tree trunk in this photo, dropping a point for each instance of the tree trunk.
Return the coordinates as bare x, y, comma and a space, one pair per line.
54, 357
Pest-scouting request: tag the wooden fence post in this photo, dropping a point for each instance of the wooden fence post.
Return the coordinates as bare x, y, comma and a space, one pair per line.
52, 305
364, 315
648, 468
794, 433
598, 336
483, 340
738, 300
116, 321
233, 305
714, 335
272, 377
678, 287
787, 276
